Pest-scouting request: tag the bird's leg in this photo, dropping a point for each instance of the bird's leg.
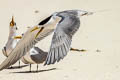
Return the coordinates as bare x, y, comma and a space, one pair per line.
74, 49
37, 68
19, 63
30, 67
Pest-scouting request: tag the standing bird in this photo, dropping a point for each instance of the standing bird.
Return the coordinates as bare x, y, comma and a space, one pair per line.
29, 39
65, 23
11, 43
34, 56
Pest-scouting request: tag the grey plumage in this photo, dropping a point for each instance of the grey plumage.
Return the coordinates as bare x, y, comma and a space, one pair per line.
40, 57
65, 23
61, 40
18, 52
34, 56
63, 33
28, 40
11, 42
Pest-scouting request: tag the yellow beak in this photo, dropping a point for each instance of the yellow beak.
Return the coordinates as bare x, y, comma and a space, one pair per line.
39, 32
12, 23
17, 37
35, 28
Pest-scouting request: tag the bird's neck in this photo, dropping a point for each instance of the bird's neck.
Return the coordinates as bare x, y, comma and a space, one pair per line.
12, 33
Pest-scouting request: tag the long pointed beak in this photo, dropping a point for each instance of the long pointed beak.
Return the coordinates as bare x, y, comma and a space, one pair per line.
35, 28
17, 37
39, 32
12, 23
88, 13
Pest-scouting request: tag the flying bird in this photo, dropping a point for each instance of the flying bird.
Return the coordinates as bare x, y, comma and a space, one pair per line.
64, 24
62, 38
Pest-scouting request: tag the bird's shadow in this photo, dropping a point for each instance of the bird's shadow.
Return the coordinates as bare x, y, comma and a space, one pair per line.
36, 71
17, 67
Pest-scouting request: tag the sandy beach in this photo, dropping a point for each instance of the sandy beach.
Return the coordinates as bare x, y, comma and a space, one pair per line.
98, 34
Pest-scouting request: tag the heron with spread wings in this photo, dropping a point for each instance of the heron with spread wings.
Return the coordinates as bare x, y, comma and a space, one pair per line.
64, 24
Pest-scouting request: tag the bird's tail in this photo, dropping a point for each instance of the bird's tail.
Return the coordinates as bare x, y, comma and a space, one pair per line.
4, 51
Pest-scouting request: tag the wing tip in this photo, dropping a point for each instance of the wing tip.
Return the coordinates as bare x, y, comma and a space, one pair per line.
49, 63
1, 68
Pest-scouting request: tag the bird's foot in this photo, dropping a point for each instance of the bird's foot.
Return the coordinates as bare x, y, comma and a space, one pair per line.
10, 67
36, 71
74, 49
37, 68
19, 64
30, 68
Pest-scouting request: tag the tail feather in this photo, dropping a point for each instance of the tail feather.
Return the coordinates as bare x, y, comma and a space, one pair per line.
4, 52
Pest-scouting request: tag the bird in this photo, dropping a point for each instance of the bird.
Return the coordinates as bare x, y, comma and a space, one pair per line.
63, 24
62, 38
29, 39
34, 56
11, 42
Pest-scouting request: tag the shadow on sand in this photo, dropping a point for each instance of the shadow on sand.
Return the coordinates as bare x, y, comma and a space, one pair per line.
17, 67
36, 71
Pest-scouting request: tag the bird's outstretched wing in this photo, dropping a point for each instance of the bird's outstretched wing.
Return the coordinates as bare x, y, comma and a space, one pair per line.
24, 45
59, 47
62, 39
29, 39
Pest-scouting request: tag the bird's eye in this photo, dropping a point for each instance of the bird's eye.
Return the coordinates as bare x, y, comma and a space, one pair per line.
84, 14
16, 28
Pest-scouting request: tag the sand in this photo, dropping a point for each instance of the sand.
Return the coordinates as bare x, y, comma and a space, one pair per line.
98, 34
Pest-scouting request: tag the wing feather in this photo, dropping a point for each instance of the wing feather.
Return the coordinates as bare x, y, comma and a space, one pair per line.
62, 37
59, 48
23, 46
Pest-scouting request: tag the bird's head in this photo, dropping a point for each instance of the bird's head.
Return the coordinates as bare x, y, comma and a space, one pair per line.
55, 17
83, 13
50, 19
13, 24
78, 13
